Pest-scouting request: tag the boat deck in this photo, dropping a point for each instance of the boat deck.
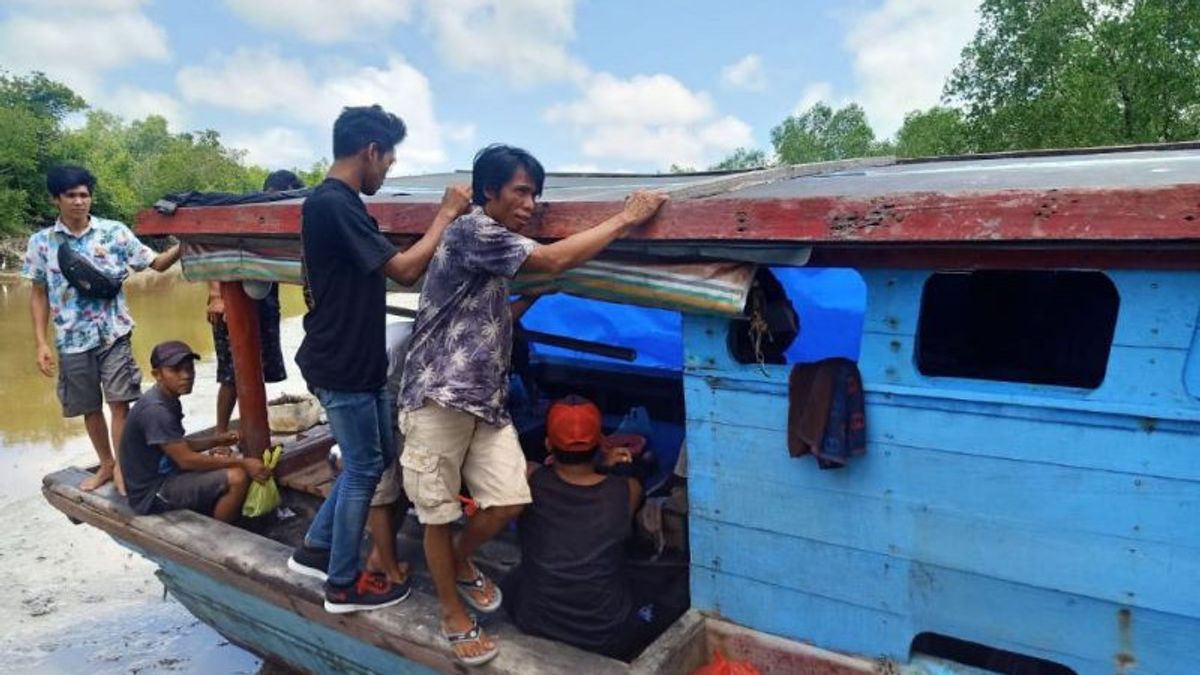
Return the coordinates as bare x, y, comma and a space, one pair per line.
255, 564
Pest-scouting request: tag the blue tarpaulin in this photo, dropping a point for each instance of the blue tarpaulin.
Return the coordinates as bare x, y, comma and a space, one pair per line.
829, 302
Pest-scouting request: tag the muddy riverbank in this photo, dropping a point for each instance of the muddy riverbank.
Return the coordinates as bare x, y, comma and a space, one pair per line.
75, 600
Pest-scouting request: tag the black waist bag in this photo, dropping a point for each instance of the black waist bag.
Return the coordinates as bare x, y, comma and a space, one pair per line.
83, 275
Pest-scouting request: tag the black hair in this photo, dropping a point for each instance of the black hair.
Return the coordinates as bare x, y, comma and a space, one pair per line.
587, 457
495, 165
359, 126
65, 177
282, 180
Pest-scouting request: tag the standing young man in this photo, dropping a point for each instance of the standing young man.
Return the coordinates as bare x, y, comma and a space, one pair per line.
455, 390
268, 325
91, 334
343, 356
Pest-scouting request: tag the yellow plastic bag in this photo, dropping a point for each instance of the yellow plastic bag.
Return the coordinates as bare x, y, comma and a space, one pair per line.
263, 497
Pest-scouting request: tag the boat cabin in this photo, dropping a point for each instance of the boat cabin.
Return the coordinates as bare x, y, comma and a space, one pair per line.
1025, 327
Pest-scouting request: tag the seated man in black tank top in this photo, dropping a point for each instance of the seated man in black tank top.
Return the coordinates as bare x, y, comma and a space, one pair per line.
573, 583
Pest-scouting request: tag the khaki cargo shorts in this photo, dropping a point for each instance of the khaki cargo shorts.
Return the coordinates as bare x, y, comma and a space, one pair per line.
444, 447
387, 491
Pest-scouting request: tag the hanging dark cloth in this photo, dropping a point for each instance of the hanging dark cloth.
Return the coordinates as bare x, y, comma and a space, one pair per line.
826, 412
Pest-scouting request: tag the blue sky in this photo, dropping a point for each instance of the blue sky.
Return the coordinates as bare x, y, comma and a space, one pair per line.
585, 84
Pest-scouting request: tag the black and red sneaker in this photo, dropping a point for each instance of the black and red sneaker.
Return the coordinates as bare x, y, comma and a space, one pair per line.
372, 591
310, 561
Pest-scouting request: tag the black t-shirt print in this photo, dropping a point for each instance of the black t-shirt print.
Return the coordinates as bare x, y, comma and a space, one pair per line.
156, 419
344, 348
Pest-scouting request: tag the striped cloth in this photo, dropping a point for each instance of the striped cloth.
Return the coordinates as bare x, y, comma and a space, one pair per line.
712, 288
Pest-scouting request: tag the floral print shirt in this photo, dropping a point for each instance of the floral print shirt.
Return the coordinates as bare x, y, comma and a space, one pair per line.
82, 323
461, 343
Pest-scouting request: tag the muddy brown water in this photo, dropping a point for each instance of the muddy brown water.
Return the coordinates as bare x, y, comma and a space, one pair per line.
72, 599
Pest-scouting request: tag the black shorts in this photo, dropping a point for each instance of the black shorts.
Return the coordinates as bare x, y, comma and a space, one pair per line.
194, 490
268, 331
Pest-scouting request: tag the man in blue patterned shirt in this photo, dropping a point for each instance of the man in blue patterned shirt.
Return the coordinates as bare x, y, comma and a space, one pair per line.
455, 389
95, 362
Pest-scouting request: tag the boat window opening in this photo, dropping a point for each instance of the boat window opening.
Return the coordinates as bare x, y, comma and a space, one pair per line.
982, 656
812, 314
1036, 327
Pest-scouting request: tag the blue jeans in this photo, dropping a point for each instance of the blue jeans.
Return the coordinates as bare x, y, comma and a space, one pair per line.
361, 423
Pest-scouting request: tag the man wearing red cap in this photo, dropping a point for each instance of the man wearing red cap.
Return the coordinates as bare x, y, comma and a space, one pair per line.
163, 469
573, 584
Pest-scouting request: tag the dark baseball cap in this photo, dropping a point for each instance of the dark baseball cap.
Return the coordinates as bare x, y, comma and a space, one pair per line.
171, 353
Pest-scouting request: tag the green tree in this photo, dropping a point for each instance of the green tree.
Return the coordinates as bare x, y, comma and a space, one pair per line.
31, 112
934, 132
1063, 73
821, 134
742, 159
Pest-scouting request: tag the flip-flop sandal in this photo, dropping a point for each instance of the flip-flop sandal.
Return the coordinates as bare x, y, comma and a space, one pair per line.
473, 634
478, 584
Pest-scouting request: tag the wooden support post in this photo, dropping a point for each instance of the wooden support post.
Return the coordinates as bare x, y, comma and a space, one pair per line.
245, 343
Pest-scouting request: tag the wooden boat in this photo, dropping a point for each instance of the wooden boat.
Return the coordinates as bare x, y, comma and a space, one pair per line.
1027, 336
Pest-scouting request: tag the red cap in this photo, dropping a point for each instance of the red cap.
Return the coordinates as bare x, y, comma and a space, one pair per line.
573, 425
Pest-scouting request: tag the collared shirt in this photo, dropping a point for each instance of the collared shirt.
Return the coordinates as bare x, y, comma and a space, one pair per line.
82, 323
462, 339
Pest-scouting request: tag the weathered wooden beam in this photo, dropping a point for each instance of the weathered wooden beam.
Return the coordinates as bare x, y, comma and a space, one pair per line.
1170, 213
245, 344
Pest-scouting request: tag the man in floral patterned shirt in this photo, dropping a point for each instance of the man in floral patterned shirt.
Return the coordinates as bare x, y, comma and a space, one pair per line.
455, 388
91, 334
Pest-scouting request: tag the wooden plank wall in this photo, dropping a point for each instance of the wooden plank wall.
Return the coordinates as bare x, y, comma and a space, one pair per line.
1054, 522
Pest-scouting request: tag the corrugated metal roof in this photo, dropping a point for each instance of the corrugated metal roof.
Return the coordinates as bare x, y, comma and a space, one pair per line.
1132, 168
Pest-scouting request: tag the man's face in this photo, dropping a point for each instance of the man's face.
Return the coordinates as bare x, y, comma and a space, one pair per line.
74, 204
377, 167
177, 380
513, 206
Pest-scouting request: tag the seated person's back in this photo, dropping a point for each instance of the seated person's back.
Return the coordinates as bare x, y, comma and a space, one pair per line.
573, 583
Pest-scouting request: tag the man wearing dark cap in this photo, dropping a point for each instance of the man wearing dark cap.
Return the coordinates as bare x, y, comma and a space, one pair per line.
163, 469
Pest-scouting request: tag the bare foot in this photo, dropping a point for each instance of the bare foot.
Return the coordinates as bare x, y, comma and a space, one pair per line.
102, 476
397, 575
119, 482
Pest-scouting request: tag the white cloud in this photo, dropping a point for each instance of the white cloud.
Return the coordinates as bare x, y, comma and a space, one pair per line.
459, 132
250, 80
641, 99
522, 41
77, 42
136, 103
652, 119
322, 21
276, 147
263, 82
906, 71
84, 5
746, 74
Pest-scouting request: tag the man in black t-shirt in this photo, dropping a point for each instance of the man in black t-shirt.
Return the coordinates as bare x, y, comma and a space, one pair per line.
343, 357
164, 470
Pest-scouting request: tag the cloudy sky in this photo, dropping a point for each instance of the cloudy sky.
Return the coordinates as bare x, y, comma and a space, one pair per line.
608, 85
